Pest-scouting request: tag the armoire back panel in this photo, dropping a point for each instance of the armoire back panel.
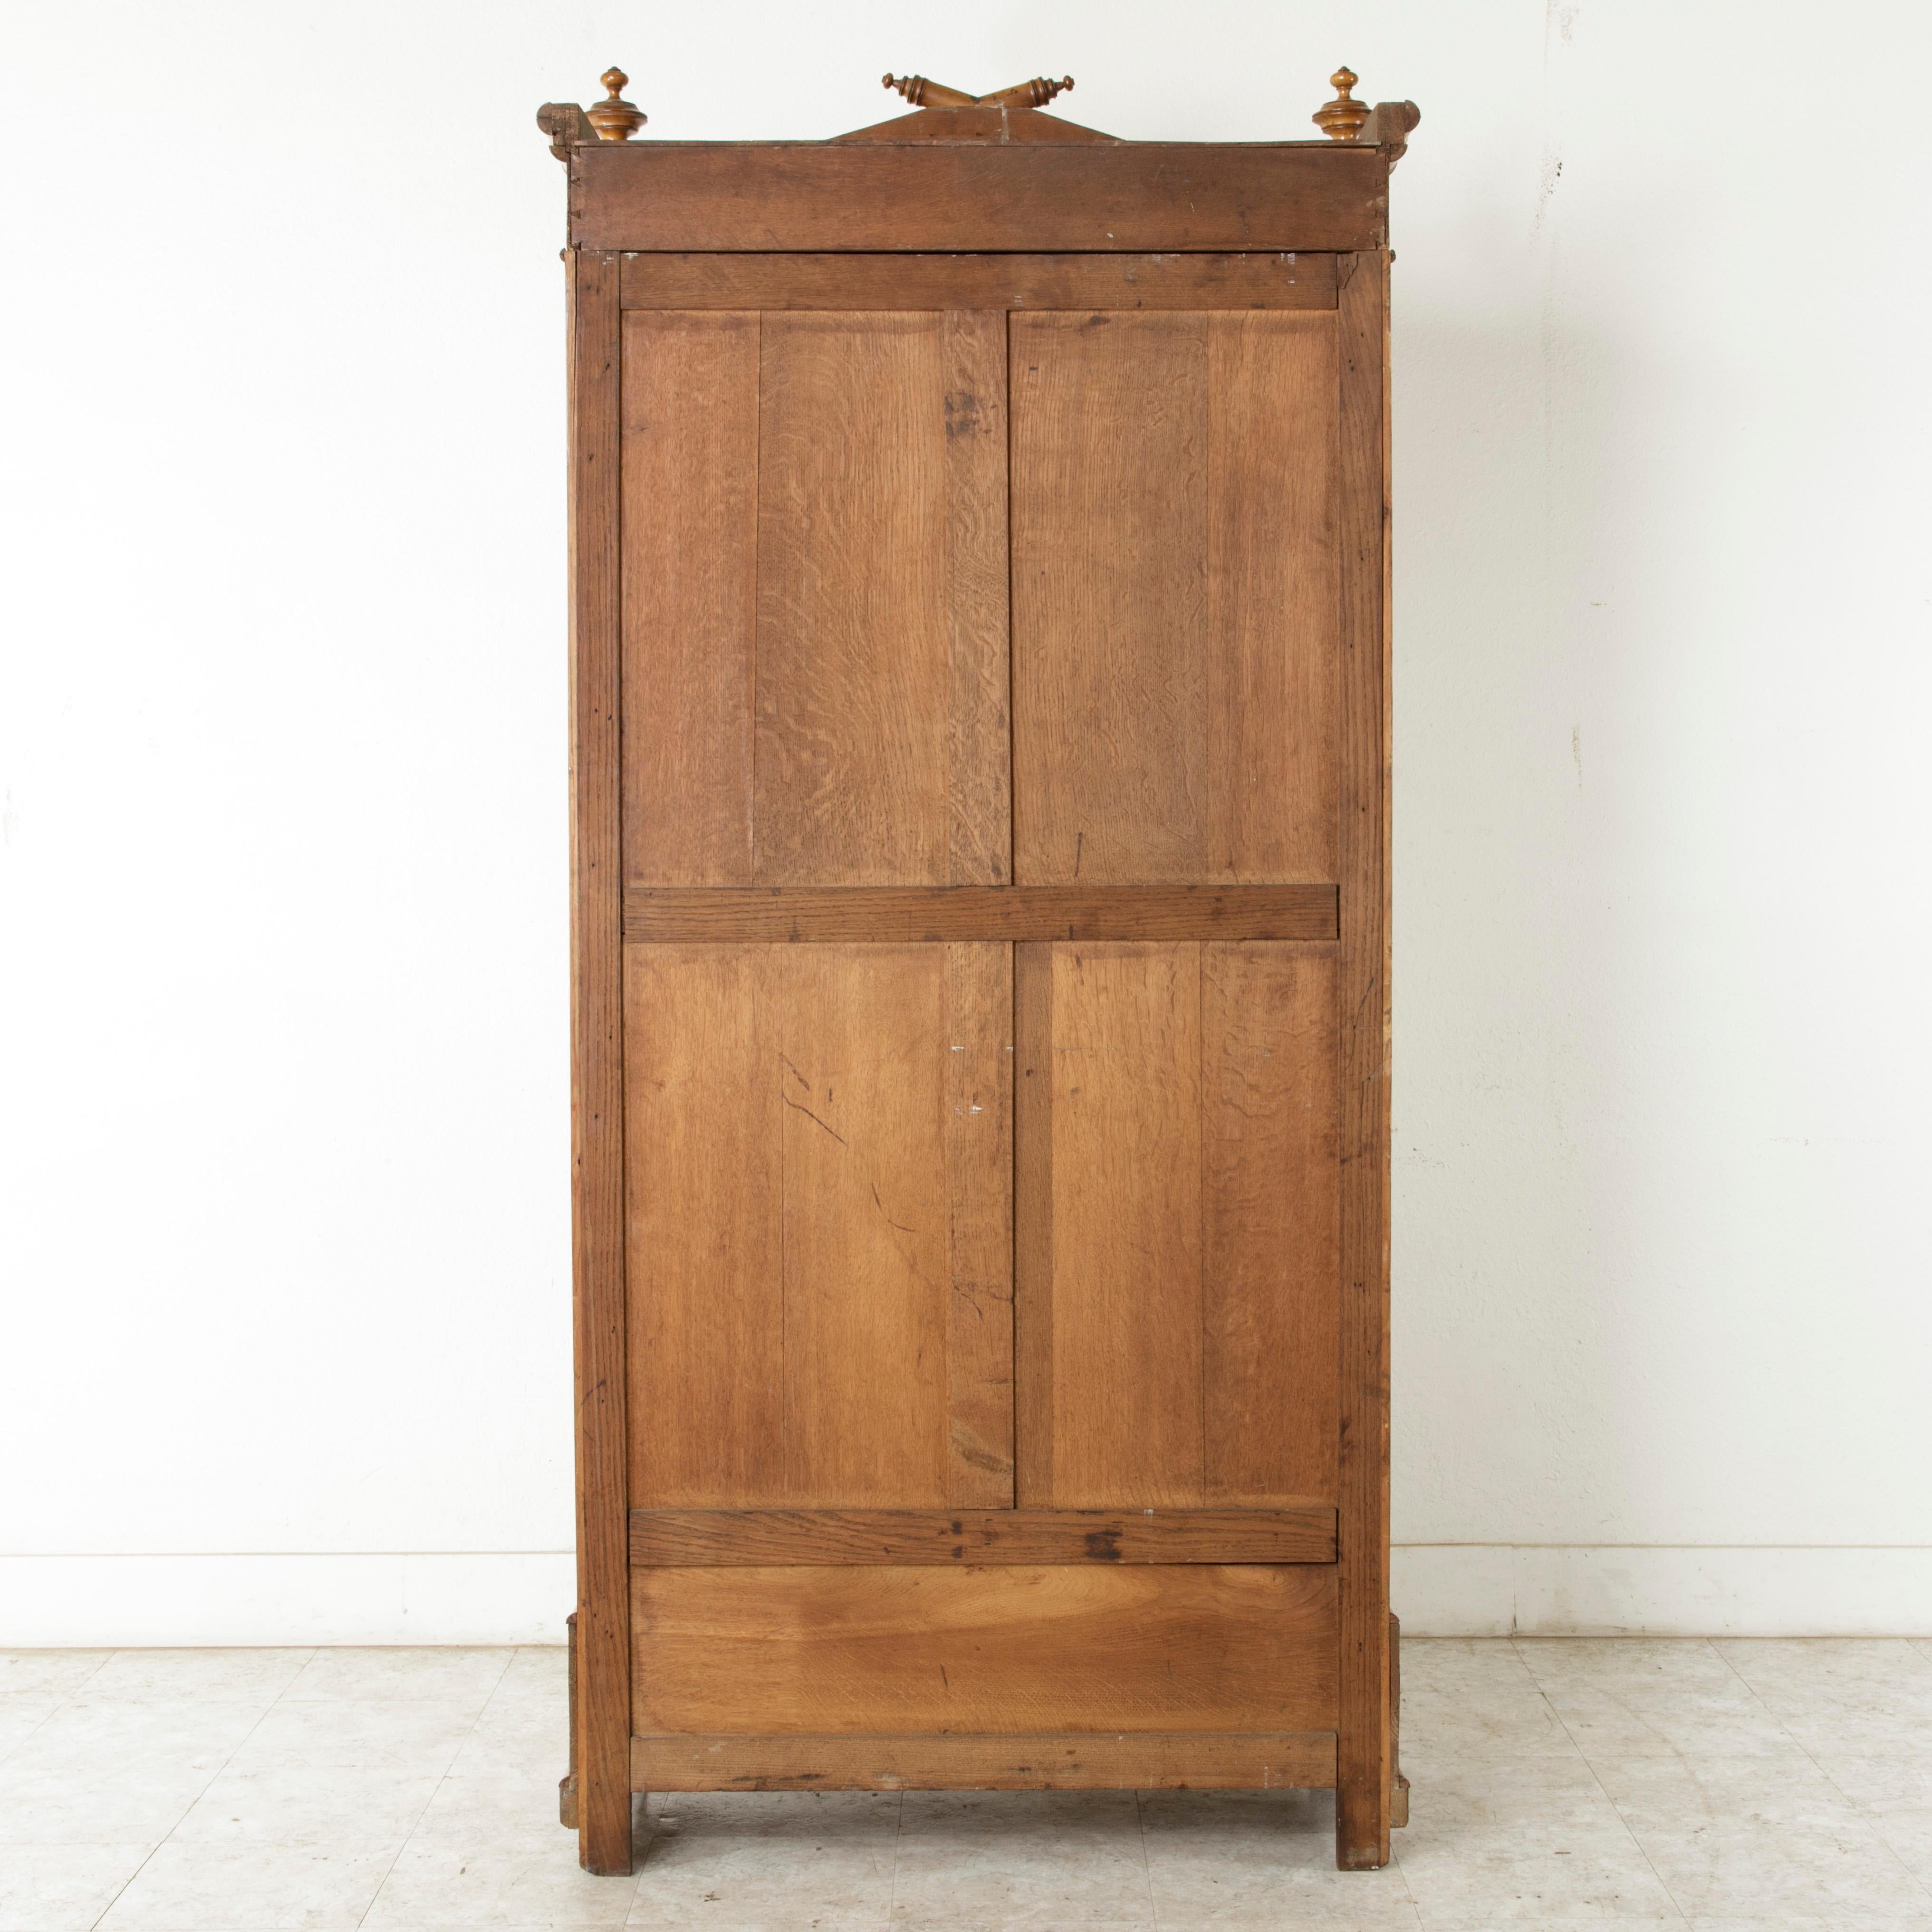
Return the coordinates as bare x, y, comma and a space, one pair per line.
819, 1246
815, 601
1176, 640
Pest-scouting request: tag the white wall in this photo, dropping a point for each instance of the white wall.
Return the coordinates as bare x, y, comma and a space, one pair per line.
283, 1106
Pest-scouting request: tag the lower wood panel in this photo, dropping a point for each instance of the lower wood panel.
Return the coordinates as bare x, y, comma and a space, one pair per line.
1063, 1761
687, 1538
908, 1650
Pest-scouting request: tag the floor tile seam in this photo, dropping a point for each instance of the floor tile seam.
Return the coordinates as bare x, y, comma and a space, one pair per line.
1596, 1778
1865, 1816
1147, 1866
442, 1778
167, 1836
102, 1660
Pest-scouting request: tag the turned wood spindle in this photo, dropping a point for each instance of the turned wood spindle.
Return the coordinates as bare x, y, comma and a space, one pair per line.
1342, 119
614, 117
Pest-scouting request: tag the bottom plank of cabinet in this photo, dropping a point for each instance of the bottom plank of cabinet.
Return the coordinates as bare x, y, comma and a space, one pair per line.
1060, 1761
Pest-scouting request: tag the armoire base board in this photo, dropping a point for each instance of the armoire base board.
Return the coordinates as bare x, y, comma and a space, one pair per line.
1063, 1761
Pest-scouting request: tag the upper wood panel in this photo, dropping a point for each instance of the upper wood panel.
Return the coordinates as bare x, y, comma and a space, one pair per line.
1175, 630
1139, 195
819, 1169
814, 598
979, 281
1178, 1200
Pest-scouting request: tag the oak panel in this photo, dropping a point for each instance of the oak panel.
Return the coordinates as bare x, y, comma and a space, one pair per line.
1271, 1183
1064, 1761
815, 607
661, 1538
1175, 624
984, 282
690, 538
885, 915
1177, 1182
1124, 1302
805, 1211
1132, 196
1095, 1647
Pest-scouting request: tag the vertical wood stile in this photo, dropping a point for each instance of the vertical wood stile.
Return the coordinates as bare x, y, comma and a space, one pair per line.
1361, 1767
597, 1163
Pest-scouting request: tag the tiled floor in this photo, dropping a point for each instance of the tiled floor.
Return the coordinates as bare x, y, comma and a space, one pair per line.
1733, 1787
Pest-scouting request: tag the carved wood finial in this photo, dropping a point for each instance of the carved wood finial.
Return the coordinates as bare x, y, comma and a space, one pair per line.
614, 117
920, 92
1341, 119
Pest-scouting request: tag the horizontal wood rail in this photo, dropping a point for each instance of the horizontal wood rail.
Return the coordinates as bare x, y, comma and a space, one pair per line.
1303, 1533
685, 280
1059, 1761
1125, 197
903, 914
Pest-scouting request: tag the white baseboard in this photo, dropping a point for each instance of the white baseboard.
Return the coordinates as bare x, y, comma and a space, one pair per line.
1466, 1589
1438, 1589
151, 1602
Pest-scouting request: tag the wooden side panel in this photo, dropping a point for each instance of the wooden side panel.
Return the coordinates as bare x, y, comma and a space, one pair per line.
597, 1058
1271, 1214
1066, 1761
815, 608
691, 479
1175, 644
827, 1652
1177, 1178
1364, 1758
807, 1216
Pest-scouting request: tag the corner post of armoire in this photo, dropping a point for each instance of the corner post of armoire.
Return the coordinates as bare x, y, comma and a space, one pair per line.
601, 1752
1364, 1770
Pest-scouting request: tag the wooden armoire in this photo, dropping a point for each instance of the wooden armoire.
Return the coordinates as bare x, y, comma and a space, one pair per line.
979, 780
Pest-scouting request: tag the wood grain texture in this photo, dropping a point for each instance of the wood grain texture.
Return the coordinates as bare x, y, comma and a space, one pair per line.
899, 915
690, 470
853, 656
697, 1538
601, 1759
979, 1129
1175, 642
1273, 664
706, 1154
1363, 1759
1110, 554
1065, 1761
1032, 1225
1091, 1647
1135, 196
981, 282
1177, 1181
806, 1212
973, 378
1125, 1059
815, 598
1270, 1217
